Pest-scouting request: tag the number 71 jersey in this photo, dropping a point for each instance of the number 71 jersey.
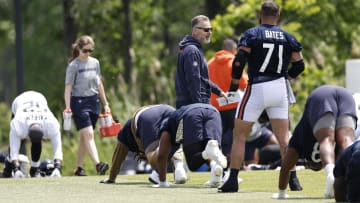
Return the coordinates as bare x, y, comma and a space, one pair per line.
271, 49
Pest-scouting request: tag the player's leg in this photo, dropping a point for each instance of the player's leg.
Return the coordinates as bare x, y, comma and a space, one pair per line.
248, 111
324, 131
35, 135
288, 163
344, 132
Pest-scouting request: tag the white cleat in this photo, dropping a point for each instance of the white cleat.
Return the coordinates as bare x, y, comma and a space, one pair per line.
212, 151
180, 175
154, 177
215, 176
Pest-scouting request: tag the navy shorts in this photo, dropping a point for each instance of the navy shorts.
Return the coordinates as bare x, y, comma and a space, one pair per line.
85, 111
202, 124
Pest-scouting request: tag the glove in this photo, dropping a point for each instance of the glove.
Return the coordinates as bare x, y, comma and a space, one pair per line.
56, 173
280, 195
107, 181
18, 173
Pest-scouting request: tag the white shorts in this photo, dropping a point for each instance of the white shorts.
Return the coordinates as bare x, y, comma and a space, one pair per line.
270, 96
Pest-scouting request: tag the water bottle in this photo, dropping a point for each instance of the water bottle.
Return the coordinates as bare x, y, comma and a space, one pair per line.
108, 119
67, 114
102, 120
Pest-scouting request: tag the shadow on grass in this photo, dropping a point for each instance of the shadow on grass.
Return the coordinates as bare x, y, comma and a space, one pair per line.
306, 198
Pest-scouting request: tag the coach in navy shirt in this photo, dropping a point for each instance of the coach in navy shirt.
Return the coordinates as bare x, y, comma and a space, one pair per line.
192, 84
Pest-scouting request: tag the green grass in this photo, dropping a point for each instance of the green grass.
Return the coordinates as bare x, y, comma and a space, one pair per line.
258, 186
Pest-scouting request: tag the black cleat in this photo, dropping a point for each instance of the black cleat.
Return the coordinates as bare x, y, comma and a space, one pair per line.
9, 167
35, 172
294, 182
231, 185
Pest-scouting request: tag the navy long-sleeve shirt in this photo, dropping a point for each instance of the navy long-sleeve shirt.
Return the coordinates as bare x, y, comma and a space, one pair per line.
192, 84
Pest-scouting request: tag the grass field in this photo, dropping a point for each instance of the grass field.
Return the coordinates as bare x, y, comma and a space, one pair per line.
258, 186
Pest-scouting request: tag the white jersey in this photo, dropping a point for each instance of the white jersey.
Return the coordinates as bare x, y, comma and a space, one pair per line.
29, 108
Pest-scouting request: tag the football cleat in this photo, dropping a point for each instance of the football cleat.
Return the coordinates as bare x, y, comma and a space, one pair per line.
215, 176
154, 177
294, 182
8, 169
231, 185
35, 172
226, 177
213, 152
180, 175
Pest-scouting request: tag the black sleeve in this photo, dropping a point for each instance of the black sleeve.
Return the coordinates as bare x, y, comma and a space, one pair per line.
239, 64
297, 67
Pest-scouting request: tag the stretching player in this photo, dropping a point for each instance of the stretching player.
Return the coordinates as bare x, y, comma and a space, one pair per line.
329, 117
140, 134
34, 120
198, 128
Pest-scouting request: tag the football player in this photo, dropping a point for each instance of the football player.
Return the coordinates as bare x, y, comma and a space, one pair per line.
347, 175
33, 120
140, 134
329, 118
197, 127
268, 50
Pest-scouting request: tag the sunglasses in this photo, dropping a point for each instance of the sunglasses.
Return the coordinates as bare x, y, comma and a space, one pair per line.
87, 50
205, 29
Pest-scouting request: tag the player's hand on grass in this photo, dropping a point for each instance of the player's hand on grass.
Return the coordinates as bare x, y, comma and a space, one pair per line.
280, 195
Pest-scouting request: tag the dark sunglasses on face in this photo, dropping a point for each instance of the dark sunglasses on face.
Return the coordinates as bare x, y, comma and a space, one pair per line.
205, 29
87, 50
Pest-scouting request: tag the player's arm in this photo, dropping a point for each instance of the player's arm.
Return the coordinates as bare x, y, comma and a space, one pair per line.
67, 95
164, 151
103, 97
192, 63
118, 158
238, 66
297, 65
